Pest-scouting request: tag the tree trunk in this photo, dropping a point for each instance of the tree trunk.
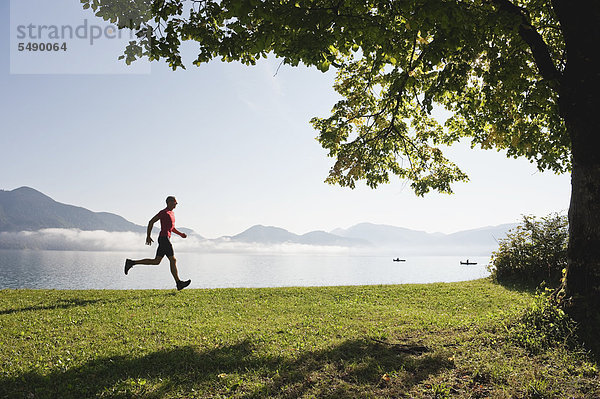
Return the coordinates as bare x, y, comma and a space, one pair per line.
580, 108
582, 286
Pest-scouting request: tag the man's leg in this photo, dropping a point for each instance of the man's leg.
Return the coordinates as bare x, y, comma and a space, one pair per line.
129, 263
173, 264
147, 261
180, 284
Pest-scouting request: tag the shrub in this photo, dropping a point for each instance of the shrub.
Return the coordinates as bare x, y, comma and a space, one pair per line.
543, 326
534, 253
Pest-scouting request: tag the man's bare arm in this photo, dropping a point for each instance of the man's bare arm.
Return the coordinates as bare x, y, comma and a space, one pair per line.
179, 233
149, 239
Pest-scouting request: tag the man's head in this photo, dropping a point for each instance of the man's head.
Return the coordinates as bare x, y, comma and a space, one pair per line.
171, 202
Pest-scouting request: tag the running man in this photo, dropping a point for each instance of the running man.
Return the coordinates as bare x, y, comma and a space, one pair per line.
167, 225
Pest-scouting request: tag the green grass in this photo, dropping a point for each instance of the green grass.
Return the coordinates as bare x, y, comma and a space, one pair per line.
417, 341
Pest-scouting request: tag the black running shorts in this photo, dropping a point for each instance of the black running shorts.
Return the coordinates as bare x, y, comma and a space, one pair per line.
164, 247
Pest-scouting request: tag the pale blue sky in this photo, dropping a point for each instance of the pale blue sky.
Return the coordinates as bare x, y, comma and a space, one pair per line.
233, 143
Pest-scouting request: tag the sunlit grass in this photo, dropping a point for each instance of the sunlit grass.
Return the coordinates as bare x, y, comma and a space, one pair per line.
436, 340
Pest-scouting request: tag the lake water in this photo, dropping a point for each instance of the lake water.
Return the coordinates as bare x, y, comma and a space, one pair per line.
104, 270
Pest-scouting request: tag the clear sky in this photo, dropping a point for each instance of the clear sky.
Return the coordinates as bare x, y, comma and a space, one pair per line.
232, 143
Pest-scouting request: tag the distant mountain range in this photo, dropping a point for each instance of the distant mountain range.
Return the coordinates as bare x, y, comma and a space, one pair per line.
26, 209
384, 237
276, 235
393, 237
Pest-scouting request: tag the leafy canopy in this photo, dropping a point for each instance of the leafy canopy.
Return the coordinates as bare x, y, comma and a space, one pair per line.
493, 63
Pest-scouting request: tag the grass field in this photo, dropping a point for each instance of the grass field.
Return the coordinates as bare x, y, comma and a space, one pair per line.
417, 341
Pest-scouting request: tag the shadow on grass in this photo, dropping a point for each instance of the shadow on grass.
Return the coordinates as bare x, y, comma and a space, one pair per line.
237, 370
67, 303
59, 304
518, 285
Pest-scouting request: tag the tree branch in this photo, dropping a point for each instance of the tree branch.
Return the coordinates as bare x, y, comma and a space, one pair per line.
533, 39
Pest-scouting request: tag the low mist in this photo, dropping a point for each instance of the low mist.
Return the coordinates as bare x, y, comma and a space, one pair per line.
99, 240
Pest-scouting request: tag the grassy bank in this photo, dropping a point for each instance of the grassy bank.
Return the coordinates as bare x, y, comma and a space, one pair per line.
423, 341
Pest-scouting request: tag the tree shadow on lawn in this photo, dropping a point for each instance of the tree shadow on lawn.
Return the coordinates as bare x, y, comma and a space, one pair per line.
238, 370
67, 303
59, 304
520, 286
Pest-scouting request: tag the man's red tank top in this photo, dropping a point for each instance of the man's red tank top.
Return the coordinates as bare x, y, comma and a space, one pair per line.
167, 222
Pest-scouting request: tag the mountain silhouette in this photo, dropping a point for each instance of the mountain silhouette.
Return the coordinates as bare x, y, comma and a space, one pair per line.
385, 235
484, 239
277, 235
26, 209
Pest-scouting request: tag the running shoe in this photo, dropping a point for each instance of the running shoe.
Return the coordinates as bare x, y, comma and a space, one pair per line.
128, 265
